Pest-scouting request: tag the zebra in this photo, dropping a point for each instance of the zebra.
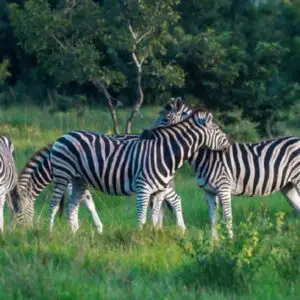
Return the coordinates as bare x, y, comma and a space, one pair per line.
34, 177
143, 166
248, 169
8, 176
37, 173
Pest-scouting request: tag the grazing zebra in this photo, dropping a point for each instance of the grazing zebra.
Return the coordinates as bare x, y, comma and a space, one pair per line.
8, 174
143, 166
256, 169
35, 176
37, 173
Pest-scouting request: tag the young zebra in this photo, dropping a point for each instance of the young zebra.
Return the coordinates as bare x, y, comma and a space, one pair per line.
246, 169
8, 174
142, 166
37, 173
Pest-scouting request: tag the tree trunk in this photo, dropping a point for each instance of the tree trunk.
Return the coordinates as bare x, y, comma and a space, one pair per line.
268, 129
139, 101
51, 102
113, 112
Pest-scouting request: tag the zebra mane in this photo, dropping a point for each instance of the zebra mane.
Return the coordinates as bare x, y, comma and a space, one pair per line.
32, 157
150, 133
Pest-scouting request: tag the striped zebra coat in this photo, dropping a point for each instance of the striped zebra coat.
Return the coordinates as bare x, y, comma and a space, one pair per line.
8, 175
37, 173
143, 167
256, 169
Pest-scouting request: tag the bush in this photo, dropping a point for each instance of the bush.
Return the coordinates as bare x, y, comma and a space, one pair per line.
239, 128
261, 246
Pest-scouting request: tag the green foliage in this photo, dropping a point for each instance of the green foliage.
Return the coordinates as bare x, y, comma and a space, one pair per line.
126, 263
239, 128
261, 245
143, 28
4, 72
63, 42
225, 55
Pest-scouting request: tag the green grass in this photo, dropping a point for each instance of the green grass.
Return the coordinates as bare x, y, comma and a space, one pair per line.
125, 263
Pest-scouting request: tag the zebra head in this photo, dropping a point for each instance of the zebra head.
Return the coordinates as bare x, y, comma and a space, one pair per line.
22, 208
216, 139
5, 141
173, 112
177, 110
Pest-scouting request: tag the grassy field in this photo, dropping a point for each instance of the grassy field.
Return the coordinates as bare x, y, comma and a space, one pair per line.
263, 262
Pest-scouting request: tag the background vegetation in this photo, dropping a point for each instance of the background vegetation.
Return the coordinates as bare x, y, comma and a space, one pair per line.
263, 262
62, 62
237, 57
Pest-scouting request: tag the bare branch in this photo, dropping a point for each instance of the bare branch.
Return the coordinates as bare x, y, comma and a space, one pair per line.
59, 42
143, 36
134, 35
99, 84
136, 60
142, 60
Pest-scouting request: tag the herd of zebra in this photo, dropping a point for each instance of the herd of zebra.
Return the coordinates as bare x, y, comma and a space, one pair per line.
145, 165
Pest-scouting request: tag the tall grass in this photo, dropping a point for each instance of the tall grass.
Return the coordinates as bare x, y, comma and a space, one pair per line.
263, 262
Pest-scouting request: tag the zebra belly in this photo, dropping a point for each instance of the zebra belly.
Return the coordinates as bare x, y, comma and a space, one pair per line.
251, 190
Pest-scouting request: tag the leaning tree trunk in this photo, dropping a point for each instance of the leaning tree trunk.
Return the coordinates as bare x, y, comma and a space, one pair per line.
138, 103
113, 112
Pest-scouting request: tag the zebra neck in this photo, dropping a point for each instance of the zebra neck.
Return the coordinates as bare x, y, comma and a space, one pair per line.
179, 143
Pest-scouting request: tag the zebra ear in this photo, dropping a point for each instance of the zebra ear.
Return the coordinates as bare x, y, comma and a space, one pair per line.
178, 103
147, 134
209, 118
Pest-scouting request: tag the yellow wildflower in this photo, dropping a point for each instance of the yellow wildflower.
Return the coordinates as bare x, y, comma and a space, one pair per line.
109, 132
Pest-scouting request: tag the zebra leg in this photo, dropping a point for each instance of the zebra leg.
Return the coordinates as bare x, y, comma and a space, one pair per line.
292, 193
77, 195
58, 193
72, 207
142, 201
88, 200
224, 194
174, 202
161, 217
2, 202
156, 209
212, 203
28, 213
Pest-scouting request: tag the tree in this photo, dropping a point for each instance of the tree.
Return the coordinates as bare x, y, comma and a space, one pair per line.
67, 44
141, 28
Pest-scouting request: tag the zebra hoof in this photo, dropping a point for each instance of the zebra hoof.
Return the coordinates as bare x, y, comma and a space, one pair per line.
99, 229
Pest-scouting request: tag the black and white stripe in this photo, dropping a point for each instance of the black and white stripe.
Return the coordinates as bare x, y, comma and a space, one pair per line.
256, 169
144, 166
37, 173
8, 174
35, 176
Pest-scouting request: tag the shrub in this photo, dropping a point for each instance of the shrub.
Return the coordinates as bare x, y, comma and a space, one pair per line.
261, 245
